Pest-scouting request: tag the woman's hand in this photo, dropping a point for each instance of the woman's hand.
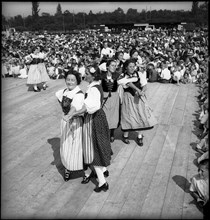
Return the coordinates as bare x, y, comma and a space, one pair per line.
139, 92
67, 117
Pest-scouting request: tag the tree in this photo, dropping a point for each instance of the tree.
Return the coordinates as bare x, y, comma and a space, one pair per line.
59, 10
35, 9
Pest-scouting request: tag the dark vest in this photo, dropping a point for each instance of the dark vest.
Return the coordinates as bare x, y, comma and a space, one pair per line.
137, 84
66, 103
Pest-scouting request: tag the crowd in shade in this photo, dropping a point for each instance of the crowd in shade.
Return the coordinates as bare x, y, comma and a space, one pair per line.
165, 56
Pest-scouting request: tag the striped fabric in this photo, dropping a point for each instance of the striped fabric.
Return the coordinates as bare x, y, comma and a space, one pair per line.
71, 144
88, 151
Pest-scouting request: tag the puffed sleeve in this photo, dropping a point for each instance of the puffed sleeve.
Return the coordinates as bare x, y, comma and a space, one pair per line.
126, 80
93, 102
59, 95
78, 101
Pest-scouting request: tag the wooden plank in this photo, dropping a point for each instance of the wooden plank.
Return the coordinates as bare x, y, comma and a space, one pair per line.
139, 188
173, 202
155, 197
160, 104
117, 197
155, 99
33, 187
166, 111
192, 107
177, 113
95, 202
30, 169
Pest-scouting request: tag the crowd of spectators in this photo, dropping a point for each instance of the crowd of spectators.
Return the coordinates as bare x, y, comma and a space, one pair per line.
199, 187
167, 56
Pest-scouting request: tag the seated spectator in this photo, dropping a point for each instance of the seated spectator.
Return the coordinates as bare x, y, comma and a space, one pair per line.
23, 72
165, 75
4, 70
193, 73
186, 78
51, 71
199, 186
176, 77
152, 74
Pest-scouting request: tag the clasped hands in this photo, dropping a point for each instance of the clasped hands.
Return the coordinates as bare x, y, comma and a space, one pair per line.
67, 117
139, 92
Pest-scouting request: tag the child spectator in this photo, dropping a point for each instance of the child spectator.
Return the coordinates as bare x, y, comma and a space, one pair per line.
199, 187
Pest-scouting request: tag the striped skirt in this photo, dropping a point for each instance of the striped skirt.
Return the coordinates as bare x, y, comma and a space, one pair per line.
88, 149
71, 144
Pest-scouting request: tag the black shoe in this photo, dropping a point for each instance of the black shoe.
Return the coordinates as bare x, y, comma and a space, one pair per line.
106, 173
66, 175
125, 140
37, 90
104, 187
140, 141
86, 179
44, 87
112, 139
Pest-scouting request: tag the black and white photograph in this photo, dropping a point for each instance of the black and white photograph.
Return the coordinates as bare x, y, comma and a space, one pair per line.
104, 110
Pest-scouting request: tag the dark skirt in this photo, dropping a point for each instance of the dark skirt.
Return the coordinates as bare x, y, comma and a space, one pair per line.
101, 139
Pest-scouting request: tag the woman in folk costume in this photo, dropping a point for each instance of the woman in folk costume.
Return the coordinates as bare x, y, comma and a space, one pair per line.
34, 75
71, 100
111, 104
136, 115
96, 137
42, 68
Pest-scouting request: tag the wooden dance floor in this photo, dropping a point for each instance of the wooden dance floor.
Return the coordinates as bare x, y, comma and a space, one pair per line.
145, 182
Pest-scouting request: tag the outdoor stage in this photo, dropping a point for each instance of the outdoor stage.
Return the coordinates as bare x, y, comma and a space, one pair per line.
145, 182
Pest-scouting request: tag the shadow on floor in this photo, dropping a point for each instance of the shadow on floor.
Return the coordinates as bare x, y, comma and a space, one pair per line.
55, 144
182, 182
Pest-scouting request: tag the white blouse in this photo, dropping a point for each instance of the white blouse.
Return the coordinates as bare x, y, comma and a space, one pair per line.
93, 100
77, 98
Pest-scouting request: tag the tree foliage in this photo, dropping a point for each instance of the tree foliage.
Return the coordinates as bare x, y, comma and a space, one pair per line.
70, 21
35, 9
59, 10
